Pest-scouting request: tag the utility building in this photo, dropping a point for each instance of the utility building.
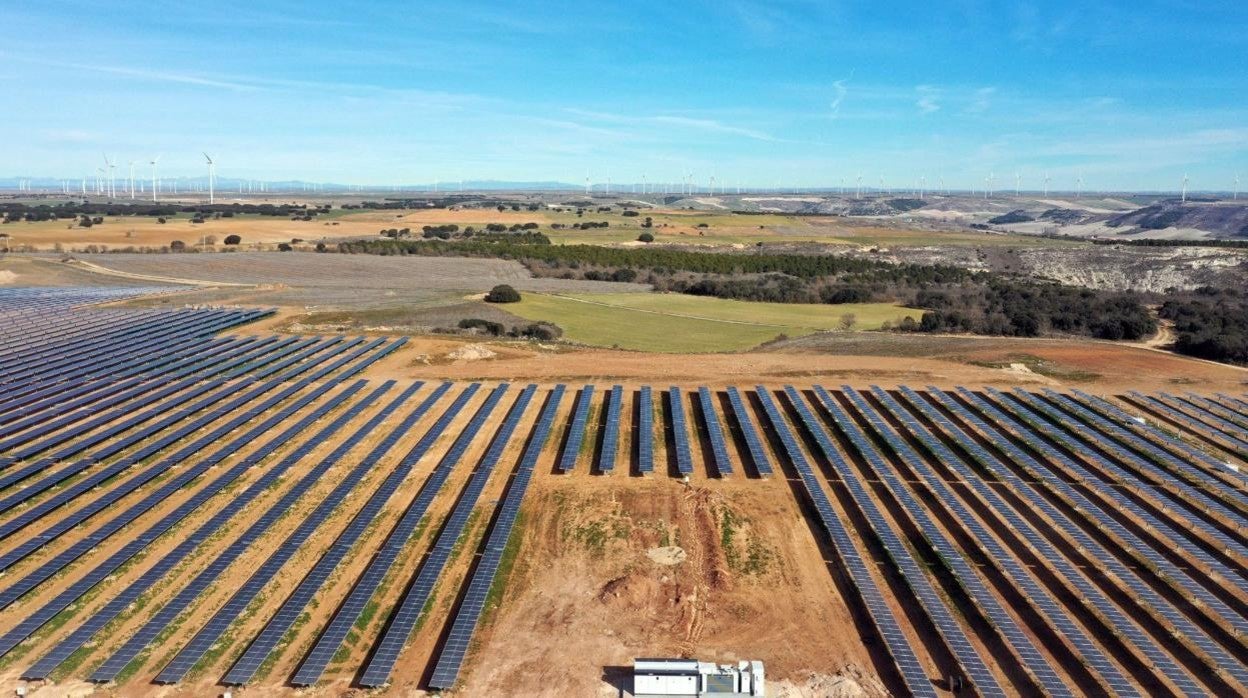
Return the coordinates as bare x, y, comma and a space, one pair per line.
655, 678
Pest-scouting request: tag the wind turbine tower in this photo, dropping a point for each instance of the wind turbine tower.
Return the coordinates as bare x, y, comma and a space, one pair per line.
131, 180
1046, 184
1235, 194
155, 177
1184, 194
1017, 184
212, 176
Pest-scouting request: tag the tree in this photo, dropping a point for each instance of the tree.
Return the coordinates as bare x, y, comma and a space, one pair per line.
645, 237
848, 320
502, 293
233, 240
320, 247
284, 247
177, 246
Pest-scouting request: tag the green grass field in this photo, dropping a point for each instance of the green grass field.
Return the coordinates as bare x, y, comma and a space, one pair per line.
677, 323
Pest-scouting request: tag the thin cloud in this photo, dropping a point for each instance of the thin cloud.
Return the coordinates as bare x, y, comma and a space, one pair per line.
840, 89
712, 126
928, 101
981, 100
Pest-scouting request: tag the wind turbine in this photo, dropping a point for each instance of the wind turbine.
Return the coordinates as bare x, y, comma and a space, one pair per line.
155, 177
1017, 183
212, 175
922, 187
1184, 196
108, 165
1078, 185
1046, 184
858, 194
1235, 194
131, 180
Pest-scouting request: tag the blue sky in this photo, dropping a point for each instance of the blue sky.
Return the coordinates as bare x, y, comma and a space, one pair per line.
1130, 95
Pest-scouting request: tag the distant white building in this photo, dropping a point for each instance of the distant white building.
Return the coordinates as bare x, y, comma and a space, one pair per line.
655, 678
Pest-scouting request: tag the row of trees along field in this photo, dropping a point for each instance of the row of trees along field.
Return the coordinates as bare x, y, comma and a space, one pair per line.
957, 300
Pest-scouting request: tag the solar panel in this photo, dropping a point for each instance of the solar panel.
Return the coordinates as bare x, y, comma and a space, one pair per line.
133, 590
715, 433
611, 430
167, 614
1091, 595
895, 642
576, 430
1189, 496
645, 431
1001, 410
451, 656
383, 560
680, 431
203, 641
403, 620
741, 414
1140, 590
942, 617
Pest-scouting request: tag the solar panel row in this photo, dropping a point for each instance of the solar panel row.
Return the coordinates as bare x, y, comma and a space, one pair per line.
645, 431
576, 430
714, 432
758, 455
680, 431
611, 430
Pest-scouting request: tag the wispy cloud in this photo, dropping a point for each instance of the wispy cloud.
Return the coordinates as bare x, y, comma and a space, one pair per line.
981, 100
840, 89
928, 101
712, 126
142, 74
669, 120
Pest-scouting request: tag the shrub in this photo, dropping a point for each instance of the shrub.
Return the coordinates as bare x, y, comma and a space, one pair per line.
177, 246
487, 326
502, 293
543, 331
645, 237
233, 240
284, 247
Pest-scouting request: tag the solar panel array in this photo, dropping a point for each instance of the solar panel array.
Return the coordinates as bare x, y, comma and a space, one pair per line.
463, 627
942, 617
1082, 545
913, 675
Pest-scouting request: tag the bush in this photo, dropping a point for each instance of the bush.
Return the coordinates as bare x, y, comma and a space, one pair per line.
645, 237
487, 326
502, 293
284, 247
543, 331
233, 240
177, 246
